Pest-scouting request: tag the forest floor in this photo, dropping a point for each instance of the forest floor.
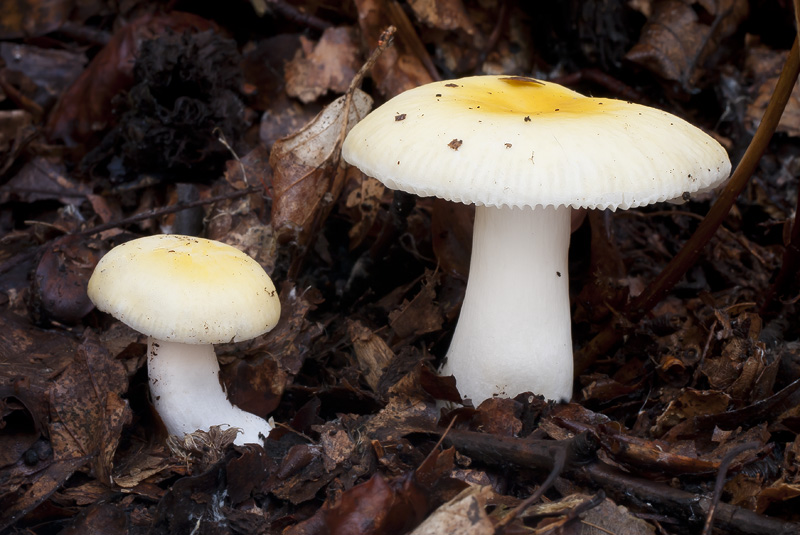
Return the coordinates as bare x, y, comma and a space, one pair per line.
121, 120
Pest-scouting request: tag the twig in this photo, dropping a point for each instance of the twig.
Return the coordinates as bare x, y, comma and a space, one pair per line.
686, 506
27, 104
637, 492
720, 481
690, 253
156, 212
290, 12
409, 36
559, 462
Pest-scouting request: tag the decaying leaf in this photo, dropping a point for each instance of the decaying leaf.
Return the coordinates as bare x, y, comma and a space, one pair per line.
306, 165
91, 428
420, 315
327, 66
465, 514
763, 65
445, 15
682, 34
396, 70
363, 198
689, 404
371, 351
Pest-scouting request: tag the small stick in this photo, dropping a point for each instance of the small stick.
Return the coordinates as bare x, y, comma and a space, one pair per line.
720, 481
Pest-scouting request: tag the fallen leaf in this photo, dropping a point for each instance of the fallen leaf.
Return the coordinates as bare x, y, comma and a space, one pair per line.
465, 514
763, 65
421, 314
396, 70
327, 66
308, 177
443, 14
91, 428
372, 353
681, 35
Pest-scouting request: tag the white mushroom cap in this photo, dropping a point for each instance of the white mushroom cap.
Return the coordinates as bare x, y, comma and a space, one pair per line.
185, 289
514, 141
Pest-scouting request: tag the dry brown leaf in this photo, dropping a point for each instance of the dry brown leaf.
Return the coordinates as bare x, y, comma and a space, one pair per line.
763, 65
327, 66
91, 428
676, 41
688, 404
372, 353
306, 165
749, 491
396, 70
465, 514
443, 14
421, 315
363, 199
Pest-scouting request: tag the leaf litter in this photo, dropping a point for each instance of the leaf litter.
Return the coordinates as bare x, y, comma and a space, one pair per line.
243, 122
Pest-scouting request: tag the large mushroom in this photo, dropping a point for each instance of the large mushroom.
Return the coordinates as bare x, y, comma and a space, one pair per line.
186, 294
526, 152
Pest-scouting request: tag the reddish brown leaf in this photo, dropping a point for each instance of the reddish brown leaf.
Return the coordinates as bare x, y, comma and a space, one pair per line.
421, 315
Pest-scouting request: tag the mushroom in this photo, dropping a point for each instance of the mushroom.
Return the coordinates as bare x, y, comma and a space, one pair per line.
186, 294
526, 152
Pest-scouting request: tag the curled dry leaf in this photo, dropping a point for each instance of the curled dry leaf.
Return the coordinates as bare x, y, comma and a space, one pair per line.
327, 66
681, 35
306, 165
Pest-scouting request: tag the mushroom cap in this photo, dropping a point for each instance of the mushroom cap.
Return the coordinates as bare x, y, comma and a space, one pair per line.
515, 141
185, 289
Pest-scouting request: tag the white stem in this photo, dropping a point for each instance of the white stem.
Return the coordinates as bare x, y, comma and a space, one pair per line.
514, 332
184, 383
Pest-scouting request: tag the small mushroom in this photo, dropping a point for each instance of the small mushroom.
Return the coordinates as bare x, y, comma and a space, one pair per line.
186, 294
529, 151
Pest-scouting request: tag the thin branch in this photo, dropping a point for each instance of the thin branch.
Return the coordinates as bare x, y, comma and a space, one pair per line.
720, 481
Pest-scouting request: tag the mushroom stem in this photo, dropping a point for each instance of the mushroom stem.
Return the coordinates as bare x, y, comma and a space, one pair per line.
514, 331
184, 383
